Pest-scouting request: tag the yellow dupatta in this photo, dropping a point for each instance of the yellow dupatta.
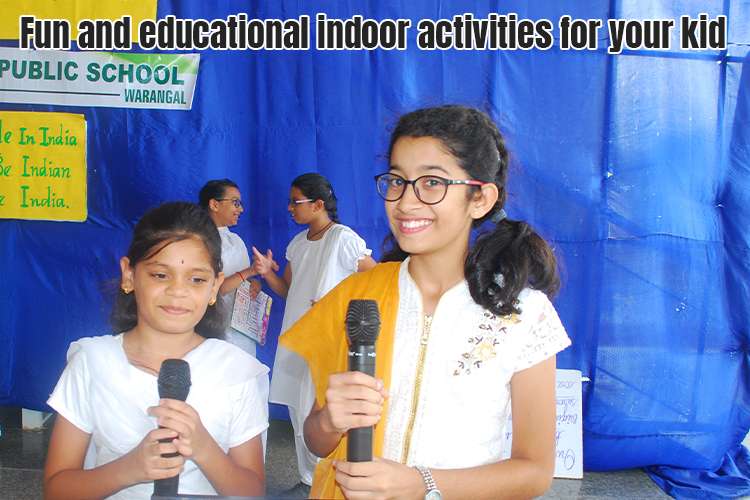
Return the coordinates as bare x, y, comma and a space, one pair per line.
320, 338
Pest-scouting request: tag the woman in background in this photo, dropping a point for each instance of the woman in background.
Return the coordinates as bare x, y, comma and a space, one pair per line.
223, 201
318, 258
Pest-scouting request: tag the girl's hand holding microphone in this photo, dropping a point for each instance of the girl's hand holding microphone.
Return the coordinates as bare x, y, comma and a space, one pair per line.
180, 418
147, 463
353, 399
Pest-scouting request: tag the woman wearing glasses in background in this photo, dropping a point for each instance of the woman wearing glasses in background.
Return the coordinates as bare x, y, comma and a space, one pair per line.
222, 199
318, 258
466, 332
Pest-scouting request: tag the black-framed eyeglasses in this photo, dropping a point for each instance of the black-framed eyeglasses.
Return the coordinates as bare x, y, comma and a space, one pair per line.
430, 189
294, 203
235, 201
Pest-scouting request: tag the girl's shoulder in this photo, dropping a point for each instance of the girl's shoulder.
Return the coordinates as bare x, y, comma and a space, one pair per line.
339, 230
220, 358
534, 306
96, 346
538, 323
102, 355
385, 273
535, 309
378, 283
531, 302
298, 239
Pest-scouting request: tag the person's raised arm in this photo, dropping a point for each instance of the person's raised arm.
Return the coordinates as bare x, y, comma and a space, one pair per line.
233, 281
264, 266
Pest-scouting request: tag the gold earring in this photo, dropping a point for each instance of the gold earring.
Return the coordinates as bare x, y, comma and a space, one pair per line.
126, 289
212, 301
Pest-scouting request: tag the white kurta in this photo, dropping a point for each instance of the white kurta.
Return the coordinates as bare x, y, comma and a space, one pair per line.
234, 257
317, 267
471, 355
102, 394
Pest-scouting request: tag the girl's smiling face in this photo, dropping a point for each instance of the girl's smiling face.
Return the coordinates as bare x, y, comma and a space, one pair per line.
229, 208
172, 287
422, 229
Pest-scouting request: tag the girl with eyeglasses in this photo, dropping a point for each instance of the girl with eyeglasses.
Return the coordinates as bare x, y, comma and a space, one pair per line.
222, 199
318, 258
467, 332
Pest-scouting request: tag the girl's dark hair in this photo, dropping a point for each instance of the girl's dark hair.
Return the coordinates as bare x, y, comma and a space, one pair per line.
213, 190
504, 261
159, 227
317, 187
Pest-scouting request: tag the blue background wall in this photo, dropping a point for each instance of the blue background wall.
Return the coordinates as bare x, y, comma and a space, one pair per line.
635, 167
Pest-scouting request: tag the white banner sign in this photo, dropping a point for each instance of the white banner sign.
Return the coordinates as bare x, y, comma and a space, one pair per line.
116, 80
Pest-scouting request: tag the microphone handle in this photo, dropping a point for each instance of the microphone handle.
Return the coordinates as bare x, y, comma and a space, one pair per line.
359, 440
166, 487
169, 486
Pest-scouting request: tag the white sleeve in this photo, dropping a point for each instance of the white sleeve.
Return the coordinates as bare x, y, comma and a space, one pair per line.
249, 409
352, 249
291, 248
71, 397
245, 255
545, 336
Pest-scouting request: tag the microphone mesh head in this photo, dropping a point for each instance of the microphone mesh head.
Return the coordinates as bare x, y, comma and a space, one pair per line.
362, 322
174, 379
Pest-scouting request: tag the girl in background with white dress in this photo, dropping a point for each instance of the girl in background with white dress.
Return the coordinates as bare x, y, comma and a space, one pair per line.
318, 258
223, 200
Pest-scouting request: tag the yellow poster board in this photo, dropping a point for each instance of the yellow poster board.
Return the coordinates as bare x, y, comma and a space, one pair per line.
73, 11
42, 166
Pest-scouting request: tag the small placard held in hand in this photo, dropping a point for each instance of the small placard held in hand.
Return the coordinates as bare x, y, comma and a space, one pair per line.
250, 316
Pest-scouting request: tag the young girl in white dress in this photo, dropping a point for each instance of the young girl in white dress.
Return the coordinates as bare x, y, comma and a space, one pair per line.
318, 258
110, 420
467, 332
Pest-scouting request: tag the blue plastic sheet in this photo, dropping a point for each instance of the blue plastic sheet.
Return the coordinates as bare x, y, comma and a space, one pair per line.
635, 167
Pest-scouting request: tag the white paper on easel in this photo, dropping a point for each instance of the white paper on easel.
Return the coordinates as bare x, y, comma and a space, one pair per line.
569, 434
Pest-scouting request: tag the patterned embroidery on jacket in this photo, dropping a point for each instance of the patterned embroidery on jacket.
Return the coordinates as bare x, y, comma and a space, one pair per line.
482, 345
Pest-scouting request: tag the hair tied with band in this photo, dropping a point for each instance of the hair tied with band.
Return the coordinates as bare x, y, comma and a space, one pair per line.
498, 216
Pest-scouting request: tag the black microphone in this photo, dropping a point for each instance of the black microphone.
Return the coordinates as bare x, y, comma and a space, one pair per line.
362, 328
174, 383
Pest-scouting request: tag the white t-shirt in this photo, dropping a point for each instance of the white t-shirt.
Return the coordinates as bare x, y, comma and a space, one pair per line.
471, 355
318, 266
102, 394
234, 257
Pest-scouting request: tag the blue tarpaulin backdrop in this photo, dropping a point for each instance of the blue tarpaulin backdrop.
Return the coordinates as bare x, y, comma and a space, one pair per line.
635, 167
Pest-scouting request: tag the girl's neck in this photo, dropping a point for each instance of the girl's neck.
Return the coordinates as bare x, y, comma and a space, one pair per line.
318, 227
436, 273
151, 348
216, 222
